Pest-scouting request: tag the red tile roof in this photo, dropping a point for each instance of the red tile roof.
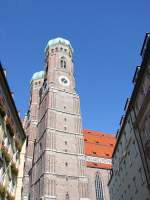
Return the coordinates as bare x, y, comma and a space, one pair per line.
98, 144
98, 165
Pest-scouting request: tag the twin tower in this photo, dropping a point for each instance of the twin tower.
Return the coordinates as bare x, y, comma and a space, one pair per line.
55, 166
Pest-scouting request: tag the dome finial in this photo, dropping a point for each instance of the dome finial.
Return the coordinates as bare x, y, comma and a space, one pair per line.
58, 40
37, 75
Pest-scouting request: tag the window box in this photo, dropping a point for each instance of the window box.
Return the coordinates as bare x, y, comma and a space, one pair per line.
9, 126
10, 196
2, 191
18, 145
5, 153
14, 169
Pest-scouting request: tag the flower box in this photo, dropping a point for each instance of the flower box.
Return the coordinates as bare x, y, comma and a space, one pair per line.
10, 196
2, 191
18, 145
9, 126
6, 154
14, 169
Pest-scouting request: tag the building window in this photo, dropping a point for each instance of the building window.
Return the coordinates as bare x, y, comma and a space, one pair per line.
66, 164
142, 176
63, 62
98, 187
135, 184
40, 147
67, 196
135, 149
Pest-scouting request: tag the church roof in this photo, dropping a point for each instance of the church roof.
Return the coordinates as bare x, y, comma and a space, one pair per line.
98, 144
37, 75
59, 40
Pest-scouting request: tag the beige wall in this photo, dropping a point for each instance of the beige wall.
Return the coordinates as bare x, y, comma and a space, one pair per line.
20, 174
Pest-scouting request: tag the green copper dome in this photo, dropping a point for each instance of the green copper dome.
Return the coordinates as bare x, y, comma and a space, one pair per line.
59, 40
37, 75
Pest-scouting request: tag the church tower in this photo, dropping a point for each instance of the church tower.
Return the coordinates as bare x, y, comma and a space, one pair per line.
59, 168
30, 127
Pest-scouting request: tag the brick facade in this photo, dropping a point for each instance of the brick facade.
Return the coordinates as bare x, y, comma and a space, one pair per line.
56, 166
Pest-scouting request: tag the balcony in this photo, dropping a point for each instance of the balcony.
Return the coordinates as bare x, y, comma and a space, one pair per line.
2, 191
2, 108
9, 126
14, 169
5, 154
18, 144
10, 196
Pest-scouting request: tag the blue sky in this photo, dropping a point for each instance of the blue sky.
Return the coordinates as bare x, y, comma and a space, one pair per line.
107, 37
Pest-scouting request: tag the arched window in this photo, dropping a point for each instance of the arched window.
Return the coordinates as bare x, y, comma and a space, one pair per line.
99, 187
63, 62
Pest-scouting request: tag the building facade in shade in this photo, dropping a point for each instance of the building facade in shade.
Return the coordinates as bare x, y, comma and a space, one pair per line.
12, 138
59, 164
130, 175
98, 147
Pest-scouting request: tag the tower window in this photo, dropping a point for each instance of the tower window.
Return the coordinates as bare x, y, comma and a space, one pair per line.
66, 164
67, 196
40, 147
63, 63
